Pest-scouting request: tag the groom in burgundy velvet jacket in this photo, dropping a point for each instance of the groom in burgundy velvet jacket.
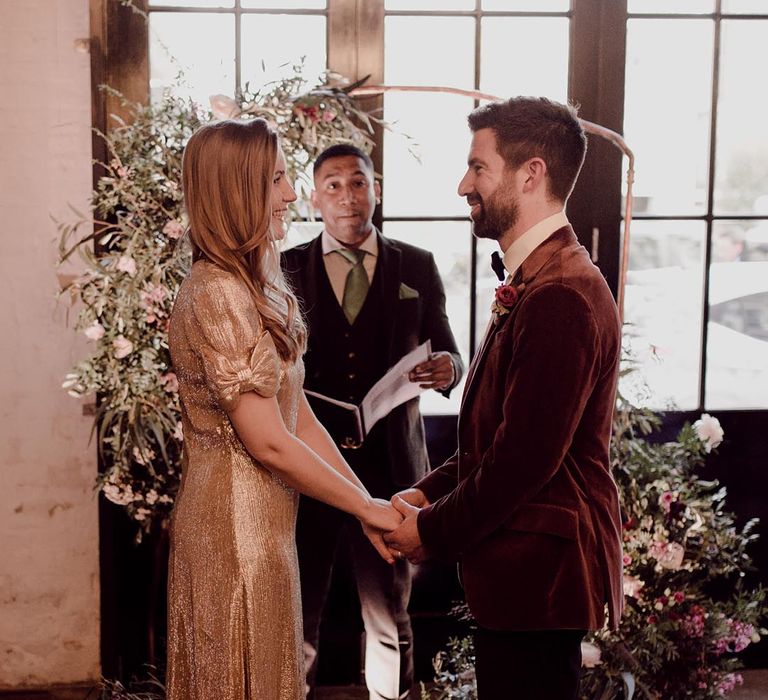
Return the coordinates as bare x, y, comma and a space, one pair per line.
527, 504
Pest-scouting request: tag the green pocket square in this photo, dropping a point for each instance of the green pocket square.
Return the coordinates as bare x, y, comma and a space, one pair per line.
406, 292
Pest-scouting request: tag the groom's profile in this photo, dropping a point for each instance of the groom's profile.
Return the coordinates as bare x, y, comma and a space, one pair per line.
527, 504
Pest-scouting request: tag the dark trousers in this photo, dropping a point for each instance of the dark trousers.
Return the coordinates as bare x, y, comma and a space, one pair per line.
529, 665
384, 592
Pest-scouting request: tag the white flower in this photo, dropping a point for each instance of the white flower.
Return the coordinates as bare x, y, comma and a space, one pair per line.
141, 513
117, 495
632, 586
590, 655
142, 457
178, 433
709, 431
151, 497
123, 347
223, 107
95, 331
125, 263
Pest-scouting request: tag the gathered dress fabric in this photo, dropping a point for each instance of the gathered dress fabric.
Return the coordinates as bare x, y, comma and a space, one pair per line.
234, 608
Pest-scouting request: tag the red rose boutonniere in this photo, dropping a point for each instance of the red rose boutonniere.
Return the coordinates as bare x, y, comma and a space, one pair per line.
506, 297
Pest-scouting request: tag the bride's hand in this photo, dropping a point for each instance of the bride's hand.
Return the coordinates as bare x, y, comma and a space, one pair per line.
380, 517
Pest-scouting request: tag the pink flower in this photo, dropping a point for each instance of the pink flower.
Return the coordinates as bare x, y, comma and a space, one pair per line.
709, 431
223, 107
669, 555
125, 263
679, 597
170, 382
95, 331
729, 682
590, 655
173, 229
122, 347
626, 560
666, 499
329, 116
505, 298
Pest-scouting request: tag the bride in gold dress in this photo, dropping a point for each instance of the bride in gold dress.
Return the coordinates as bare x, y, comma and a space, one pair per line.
251, 440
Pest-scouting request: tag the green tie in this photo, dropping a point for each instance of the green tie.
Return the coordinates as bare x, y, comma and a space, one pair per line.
356, 285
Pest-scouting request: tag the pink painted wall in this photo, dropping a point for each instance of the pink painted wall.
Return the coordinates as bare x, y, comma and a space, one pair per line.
49, 585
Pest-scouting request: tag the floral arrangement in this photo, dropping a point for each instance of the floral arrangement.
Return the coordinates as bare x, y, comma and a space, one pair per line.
505, 297
688, 610
135, 259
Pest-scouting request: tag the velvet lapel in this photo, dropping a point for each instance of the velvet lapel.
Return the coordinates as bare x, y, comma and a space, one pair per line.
531, 267
388, 266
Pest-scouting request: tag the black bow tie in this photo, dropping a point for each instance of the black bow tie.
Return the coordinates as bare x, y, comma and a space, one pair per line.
498, 266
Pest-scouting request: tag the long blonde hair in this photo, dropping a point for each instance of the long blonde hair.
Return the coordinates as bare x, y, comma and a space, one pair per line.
227, 179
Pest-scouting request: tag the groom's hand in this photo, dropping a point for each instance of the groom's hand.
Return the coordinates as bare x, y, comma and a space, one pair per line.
405, 540
436, 373
416, 497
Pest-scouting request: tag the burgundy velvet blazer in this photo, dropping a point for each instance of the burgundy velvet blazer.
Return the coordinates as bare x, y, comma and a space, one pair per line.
527, 504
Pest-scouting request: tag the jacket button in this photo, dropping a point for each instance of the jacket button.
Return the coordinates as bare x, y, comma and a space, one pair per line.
351, 375
351, 356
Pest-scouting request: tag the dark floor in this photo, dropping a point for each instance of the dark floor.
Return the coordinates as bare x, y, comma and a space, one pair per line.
755, 688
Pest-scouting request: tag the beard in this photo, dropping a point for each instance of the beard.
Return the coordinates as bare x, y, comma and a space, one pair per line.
498, 214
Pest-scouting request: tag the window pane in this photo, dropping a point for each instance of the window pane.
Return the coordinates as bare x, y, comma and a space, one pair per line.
301, 232
449, 61
667, 113
663, 306
749, 7
449, 242
285, 4
741, 165
486, 285
193, 3
200, 46
671, 6
737, 339
438, 125
511, 41
264, 40
429, 4
527, 5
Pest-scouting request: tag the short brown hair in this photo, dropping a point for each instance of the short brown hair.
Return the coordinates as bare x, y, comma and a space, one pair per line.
529, 127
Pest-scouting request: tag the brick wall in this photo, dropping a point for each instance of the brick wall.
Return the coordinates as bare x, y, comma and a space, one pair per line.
49, 585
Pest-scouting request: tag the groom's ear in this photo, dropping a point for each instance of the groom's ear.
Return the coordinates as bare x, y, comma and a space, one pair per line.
533, 174
377, 191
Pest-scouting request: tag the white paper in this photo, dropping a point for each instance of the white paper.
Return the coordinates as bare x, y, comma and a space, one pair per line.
394, 387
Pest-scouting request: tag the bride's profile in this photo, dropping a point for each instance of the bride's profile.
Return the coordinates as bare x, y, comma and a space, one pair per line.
251, 441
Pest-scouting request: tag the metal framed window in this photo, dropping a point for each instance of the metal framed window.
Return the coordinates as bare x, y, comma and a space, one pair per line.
698, 285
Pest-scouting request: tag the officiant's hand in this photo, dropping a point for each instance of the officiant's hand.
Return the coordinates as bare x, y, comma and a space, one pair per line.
436, 373
405, 540
380, 517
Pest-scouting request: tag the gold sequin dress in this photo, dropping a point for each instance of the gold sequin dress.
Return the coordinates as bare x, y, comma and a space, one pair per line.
234, 610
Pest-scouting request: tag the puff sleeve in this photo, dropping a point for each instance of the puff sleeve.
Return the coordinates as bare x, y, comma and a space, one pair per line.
236, 353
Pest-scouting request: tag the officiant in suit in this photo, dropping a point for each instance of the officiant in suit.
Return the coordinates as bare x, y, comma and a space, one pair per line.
527, 504
367, 301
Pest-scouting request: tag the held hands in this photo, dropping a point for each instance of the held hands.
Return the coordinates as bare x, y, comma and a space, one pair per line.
405, 540
436, 373
380, 517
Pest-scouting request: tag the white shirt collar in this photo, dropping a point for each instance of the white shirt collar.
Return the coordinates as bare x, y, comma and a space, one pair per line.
532, 239
370, 245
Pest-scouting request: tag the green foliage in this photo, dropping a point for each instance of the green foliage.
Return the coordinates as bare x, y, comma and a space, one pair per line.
134, 254
688, 610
